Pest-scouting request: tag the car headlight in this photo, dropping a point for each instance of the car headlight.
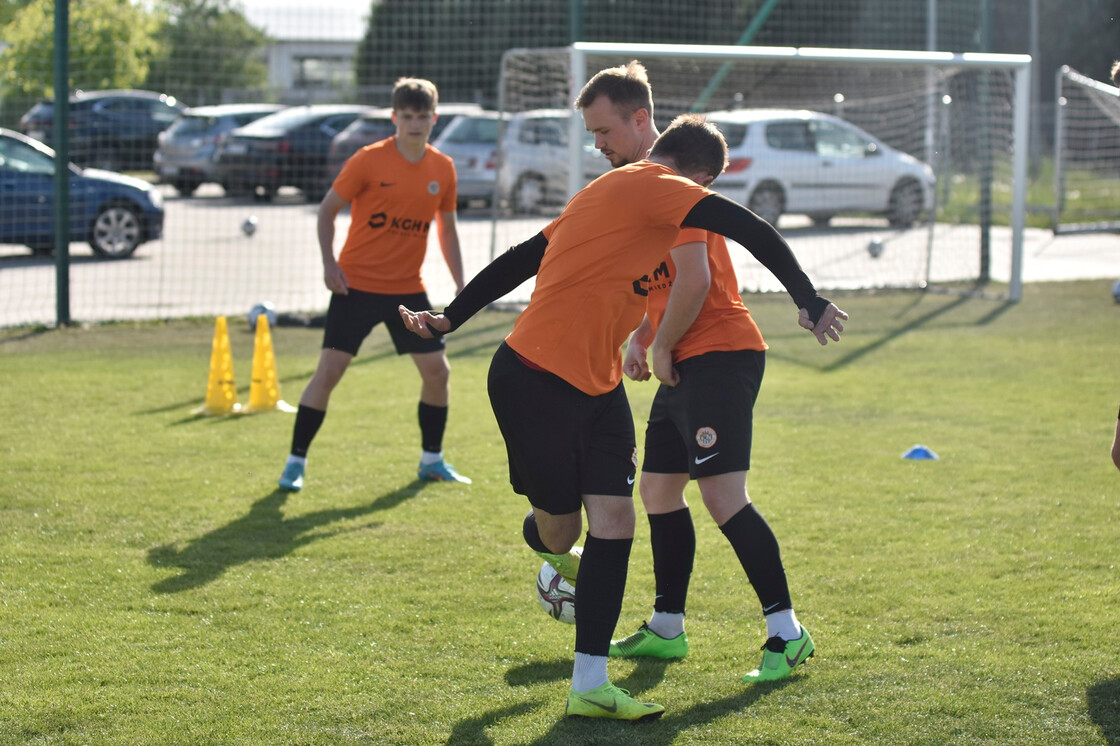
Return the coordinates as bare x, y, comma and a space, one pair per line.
156, 197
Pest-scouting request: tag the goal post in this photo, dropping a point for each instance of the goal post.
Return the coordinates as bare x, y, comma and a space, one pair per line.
973, 109
1086, 154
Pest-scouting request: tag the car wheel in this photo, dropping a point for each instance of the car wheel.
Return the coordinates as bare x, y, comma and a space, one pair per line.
528, 193
905, 204
116, 232
768, 202
821, 221
186, 187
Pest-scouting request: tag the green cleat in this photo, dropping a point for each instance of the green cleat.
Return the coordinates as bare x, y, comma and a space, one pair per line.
608, 701
645, 643
779, 657
567, 565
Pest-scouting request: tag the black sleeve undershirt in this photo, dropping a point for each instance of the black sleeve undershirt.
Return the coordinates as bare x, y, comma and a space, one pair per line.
719, 214
501, 276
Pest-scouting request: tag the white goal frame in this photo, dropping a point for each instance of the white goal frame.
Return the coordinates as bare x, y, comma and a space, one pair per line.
1017, 65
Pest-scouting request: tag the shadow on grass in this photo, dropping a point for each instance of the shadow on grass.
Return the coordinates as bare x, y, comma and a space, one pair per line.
1103, 700
900, 331
262, 534
472, 731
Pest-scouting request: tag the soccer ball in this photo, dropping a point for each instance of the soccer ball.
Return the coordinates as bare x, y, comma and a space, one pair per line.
1116, 290
875, 247
249, 227
556, 595
267, 309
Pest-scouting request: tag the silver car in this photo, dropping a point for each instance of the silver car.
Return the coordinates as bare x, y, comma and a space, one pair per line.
534, 159
472, 142
184, 156
786, 161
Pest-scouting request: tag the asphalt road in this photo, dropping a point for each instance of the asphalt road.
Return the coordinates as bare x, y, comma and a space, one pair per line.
205, 265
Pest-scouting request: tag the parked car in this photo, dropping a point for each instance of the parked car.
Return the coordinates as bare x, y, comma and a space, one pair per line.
288, 148
472, 142
808, 163
186, 151
114, 130
377, 124
114, 212
534, 160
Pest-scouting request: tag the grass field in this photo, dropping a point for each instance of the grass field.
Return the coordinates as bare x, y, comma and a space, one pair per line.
155, 587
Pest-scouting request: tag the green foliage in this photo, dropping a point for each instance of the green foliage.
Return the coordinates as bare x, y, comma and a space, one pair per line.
111, 44
207, 46
156, 588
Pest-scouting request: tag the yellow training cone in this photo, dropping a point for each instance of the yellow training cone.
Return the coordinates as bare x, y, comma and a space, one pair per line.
264, 392
221, 391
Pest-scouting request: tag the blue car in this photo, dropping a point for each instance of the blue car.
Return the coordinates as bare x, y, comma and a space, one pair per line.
114, 212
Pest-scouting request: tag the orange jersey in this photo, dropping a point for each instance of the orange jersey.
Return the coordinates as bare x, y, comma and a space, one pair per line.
724, 323
594, 278
392, 204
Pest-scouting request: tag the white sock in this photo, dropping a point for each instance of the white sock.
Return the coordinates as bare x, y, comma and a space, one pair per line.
667, 624
783, 624
293, 459
589, 672
427, 457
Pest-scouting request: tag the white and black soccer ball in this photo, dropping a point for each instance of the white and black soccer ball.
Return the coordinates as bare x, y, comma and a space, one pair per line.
249, 227
875, 247
1116, 291
556, 595
267, 309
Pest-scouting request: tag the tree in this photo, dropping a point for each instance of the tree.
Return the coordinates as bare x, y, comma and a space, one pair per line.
208, 48
111, 43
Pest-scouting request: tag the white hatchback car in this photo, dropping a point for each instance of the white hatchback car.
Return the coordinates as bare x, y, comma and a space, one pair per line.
533, 172
808, 163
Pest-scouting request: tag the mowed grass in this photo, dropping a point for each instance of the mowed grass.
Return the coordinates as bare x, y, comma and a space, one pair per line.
155, 587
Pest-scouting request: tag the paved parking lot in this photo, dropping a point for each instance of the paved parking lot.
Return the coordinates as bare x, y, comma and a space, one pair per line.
205, 265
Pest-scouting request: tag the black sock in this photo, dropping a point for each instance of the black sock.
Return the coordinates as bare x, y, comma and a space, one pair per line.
757, 548
673, 539
308, 421
602, 581
433, 421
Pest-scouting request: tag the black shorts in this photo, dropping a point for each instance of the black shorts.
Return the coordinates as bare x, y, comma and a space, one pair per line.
561, 443
351, 317
703, 424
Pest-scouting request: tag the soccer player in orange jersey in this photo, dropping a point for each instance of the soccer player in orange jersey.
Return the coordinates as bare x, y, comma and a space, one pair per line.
395, 188
555, 384
710, 364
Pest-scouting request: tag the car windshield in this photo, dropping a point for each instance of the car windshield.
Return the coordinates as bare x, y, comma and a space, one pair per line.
473, 130
186, 126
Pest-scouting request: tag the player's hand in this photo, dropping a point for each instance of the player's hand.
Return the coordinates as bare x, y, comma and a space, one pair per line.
335, 279
663, 367
634, 366
830, 324
422, 322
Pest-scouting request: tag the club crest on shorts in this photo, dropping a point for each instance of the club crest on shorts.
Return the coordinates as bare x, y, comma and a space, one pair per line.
433, 187
705, 437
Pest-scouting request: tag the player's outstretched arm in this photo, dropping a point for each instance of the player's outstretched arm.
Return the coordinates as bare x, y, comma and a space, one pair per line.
830, 324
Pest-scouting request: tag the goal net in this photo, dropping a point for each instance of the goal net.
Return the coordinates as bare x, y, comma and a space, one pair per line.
1086, 154
833, 181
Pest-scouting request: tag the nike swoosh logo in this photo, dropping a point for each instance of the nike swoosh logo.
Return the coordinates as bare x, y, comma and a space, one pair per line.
612, 708
699, 460
629, 480
388, 183
771, 606
791, 662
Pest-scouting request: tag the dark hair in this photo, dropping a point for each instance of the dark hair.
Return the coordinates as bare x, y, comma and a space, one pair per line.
626, 86
415, 93
694, 144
